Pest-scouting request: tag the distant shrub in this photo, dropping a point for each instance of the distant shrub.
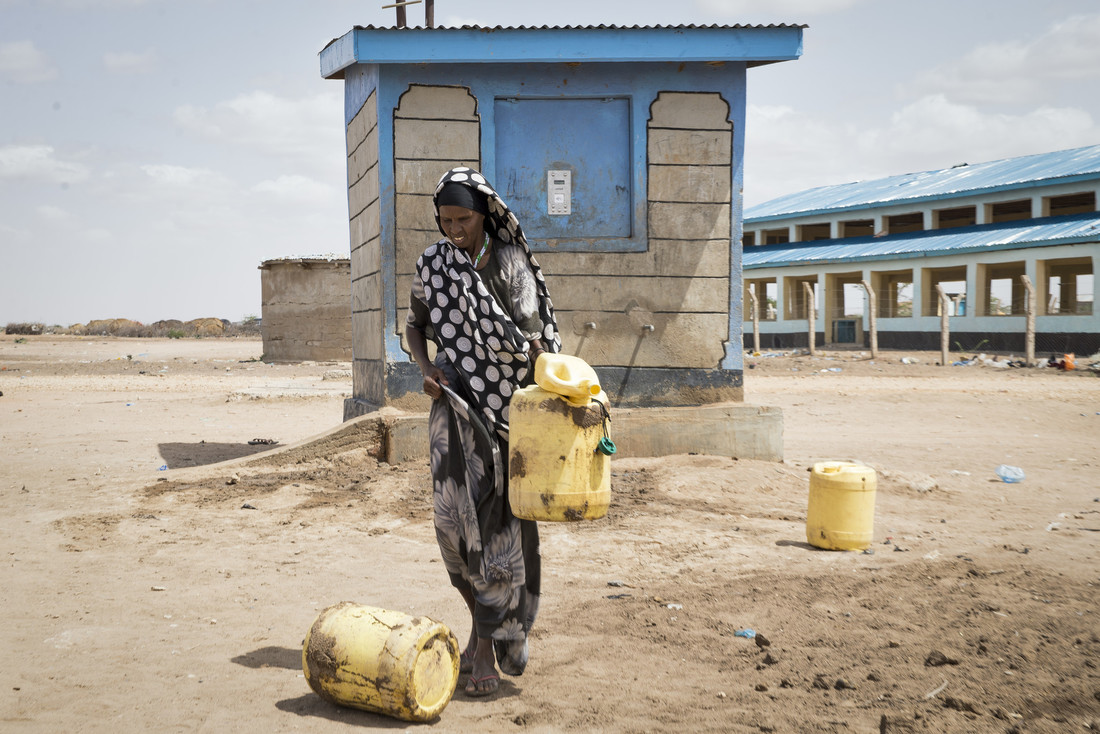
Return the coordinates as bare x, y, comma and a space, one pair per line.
31, 329
176, 333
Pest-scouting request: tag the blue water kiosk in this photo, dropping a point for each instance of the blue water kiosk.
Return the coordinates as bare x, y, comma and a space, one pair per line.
621, 151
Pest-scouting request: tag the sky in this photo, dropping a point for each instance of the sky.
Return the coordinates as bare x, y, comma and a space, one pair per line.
153, 153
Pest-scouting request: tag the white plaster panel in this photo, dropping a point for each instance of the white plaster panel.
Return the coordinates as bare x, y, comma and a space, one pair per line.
599, 292
366, 259
367, 294
363, 192
690, 146
690, 110
366, 225
677, 340
689, 221
437, 102
415, 211
410, 244
366, 334
362, 123
664, 257
421, 177
446, 139
365, 379
364, 158
690, 184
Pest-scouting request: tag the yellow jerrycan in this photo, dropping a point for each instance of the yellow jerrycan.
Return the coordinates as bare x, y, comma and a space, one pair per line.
381, 661
559, 445
841, 511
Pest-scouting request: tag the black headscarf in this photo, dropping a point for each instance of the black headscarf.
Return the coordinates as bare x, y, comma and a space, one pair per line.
481, 341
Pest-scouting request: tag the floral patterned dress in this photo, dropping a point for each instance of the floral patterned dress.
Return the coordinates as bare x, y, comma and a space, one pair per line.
482, 323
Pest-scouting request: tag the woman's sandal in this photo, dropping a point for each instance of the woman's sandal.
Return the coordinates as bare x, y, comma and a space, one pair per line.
476, 691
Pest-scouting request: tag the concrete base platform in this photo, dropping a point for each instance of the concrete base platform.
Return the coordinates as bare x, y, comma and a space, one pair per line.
737, 430
725, 429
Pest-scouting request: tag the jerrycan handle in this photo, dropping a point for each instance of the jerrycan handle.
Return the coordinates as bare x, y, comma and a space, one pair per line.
568, 376
605, 446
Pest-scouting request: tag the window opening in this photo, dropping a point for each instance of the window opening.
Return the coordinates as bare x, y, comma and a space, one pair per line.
1002, 292
1067, 287
1056, 206
953, 282
894, 292
776, 236
963, 216
767, 294
797, 307
902, 223
857, 228
1009, 211
811, 232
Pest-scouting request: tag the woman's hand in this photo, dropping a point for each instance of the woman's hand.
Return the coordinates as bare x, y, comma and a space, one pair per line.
433, 378
534, 350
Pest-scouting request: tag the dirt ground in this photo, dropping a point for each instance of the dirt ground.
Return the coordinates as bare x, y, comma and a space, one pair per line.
148, 588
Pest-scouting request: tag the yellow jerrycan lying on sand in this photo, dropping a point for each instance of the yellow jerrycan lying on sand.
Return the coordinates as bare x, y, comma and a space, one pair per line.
841, 510
559, 445
381, 661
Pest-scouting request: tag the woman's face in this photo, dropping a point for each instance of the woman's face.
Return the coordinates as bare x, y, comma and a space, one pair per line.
465, 227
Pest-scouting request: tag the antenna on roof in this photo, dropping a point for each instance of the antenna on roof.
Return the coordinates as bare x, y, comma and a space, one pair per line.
429, 12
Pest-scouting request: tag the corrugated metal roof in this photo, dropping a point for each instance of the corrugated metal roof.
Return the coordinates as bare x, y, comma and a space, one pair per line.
490, 29
580, 27
472, 44
961, 180
1011, 235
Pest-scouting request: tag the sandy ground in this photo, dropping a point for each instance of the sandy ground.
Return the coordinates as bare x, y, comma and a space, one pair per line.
141, 594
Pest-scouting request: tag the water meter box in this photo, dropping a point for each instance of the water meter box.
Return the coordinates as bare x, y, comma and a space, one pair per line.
566, 164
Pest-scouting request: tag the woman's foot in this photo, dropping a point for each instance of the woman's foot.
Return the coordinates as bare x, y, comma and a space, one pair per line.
484, 679
486, 686
466, 661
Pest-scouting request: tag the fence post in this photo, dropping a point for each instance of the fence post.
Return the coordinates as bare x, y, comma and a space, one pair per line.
872, 317
811, 313
755, 319
945, 329
1029, 334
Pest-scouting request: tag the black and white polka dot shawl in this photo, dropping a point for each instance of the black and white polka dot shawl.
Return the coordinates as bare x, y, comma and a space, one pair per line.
478, 336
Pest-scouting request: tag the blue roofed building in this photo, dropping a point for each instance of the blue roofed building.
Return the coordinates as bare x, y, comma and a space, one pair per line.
621, 151
958, 239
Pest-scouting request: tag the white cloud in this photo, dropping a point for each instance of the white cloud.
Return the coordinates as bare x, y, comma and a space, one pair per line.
277, 126
51, 213
37, 163
21, 62
789, 151
1020, 71
295, 188
739, 8
182, 177
130, 63
457, 21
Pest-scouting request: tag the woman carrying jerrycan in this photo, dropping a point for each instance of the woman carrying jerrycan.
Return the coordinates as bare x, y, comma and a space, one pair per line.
479, 294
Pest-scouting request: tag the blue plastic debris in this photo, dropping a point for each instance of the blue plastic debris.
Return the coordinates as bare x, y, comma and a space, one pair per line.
746, 633
1010, 474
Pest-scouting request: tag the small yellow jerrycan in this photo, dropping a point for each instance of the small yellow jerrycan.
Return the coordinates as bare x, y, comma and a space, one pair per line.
559, 445
841, 510
381, 661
